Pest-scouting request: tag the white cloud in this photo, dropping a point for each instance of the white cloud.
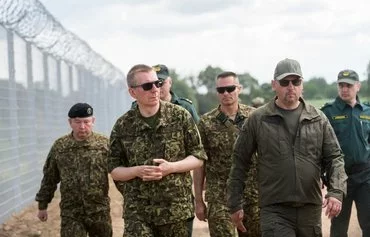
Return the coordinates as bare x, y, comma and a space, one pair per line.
244, 36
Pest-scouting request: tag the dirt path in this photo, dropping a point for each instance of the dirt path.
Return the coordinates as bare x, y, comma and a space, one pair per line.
26, 224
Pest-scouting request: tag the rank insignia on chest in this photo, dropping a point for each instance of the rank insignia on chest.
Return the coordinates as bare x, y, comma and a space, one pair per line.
365, 117
340, 117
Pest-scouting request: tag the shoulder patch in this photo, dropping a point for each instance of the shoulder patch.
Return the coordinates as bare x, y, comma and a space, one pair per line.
327, 104
186, 99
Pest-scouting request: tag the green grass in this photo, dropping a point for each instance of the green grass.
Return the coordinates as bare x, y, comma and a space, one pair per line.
319, 102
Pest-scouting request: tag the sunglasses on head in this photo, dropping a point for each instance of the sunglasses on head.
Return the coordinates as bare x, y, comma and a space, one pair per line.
149, 85
295, 82
229, 89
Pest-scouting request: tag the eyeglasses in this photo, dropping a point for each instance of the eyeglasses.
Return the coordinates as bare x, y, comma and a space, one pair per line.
285, 83
229, 89
149, 85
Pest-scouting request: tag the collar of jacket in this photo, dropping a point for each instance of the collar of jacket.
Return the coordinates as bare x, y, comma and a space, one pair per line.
340, 104
174, 98
308, 113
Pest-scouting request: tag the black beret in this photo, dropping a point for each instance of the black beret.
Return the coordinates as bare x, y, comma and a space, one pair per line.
81, 110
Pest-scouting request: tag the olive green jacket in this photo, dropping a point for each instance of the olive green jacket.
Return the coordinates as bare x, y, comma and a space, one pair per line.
287, 172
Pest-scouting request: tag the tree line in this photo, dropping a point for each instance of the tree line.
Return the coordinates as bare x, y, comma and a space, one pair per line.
201, 89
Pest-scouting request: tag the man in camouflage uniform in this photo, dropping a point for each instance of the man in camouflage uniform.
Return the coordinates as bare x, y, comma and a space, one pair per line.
294, 141
79, 162
219, 129
152, 148
167, 94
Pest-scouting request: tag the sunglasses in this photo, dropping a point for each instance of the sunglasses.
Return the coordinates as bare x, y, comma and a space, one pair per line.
229, 89
149, 85
285, 83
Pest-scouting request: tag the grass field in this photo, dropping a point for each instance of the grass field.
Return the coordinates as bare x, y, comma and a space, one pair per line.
319, 103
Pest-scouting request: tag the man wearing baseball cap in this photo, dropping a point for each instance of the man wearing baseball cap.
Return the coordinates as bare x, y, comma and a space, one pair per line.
294, 141
351, 121
79, 162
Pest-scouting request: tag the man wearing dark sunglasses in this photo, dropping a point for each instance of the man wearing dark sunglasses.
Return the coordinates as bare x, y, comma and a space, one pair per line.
219, 129
167, 94
351, 121
152, 149
294, 141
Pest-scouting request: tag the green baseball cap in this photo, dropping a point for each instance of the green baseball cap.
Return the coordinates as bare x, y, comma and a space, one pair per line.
162, 71
348, 76
286, 68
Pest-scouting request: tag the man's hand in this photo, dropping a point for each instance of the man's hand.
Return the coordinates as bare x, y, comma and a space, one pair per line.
149, 172
166, 167
43, 215
237, 219
333, 207
201, 210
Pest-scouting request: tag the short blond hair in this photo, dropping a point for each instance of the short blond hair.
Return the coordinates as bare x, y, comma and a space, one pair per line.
135, 70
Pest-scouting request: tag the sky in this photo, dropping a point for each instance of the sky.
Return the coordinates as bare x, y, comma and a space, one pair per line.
325, 36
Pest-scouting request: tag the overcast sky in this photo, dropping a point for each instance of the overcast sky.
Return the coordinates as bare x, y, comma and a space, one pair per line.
325, 36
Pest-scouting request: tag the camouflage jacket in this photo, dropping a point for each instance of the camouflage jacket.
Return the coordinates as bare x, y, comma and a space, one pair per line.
287, 172
82, 170
133, 143
218, 134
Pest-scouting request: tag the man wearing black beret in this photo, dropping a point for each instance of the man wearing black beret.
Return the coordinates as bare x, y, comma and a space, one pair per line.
78, 161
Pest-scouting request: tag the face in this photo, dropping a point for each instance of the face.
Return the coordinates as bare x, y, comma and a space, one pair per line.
81, 127
347, 92
144, 97
228, 90
288, 90
165, 89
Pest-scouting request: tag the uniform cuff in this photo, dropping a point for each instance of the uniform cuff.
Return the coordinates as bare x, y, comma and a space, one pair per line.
336, 194
43, 205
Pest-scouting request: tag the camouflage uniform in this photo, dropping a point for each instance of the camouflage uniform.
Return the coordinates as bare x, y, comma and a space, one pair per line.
218, 138
81, 169
151, 206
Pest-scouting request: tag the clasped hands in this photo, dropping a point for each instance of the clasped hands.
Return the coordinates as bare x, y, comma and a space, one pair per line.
155, 172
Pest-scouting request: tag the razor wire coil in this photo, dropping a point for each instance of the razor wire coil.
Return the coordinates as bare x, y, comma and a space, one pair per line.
31, 21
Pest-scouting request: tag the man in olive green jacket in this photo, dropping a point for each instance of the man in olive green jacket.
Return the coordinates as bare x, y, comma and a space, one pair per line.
294, 142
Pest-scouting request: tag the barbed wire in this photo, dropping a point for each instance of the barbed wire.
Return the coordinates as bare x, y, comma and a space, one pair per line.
31, 21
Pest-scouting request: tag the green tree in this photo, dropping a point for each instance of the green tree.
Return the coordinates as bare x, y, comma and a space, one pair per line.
181, 88
315, 88
207, 77
368, 79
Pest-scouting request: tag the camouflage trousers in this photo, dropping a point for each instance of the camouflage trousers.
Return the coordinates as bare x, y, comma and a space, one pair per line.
220, 224
97, 225
138, 228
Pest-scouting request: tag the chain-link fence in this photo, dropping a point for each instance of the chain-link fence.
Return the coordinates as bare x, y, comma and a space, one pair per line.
44, 70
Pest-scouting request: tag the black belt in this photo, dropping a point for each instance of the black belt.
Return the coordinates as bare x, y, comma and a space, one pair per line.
357, 168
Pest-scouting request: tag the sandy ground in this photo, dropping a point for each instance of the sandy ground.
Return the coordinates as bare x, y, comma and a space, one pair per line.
26, 223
